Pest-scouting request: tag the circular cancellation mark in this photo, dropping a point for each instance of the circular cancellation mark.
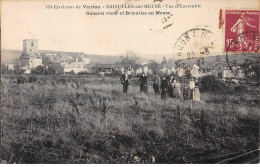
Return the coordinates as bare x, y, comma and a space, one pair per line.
243, 51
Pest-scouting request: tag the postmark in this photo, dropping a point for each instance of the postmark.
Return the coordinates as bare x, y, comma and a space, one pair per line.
242, 41
194, 43
243, 61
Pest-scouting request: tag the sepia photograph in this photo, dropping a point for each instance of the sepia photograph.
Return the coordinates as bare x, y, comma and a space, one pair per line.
130, 82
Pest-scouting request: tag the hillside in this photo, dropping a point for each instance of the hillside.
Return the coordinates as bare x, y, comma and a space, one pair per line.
239, 59
8, 54
88, 119
103, 59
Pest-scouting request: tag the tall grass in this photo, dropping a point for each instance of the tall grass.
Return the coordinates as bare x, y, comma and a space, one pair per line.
89, 120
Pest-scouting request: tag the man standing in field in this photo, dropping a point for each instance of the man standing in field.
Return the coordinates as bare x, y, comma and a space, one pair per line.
156, 84
125, 81
164, 87
143, 83
186, 92
170, 87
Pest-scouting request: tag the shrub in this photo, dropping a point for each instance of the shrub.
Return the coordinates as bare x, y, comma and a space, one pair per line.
83, 73
21, 79
32, 78
240, 89
210, 83
39, 70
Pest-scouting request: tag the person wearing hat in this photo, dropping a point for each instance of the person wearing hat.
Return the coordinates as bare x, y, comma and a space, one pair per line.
125, 81
143, 83
156, 84
164, 87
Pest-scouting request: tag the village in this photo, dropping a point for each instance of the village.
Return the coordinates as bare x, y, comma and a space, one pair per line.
64, 63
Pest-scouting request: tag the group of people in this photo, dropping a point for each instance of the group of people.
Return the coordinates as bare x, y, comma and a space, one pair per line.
170, 87
166, 87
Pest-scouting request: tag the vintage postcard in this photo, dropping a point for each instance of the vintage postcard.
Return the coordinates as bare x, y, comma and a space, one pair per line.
130, 82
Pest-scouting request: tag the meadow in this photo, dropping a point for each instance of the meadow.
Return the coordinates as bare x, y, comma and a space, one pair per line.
87, 119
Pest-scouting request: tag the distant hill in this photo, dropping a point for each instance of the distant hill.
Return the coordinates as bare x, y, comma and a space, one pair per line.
8, 54
107, 59
103, 59
208, 61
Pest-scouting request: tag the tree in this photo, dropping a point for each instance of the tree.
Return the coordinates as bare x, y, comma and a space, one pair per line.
253, 72
128, 61
4, 69
39, 70
18, 69
49, 71
154, 66
43, 70
211, 83
164, 60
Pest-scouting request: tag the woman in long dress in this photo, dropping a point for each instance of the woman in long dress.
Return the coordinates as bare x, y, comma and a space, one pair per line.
176, 89
196, 94
194, 91
191, 87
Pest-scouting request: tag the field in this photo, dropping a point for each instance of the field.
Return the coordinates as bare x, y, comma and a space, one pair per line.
87, 119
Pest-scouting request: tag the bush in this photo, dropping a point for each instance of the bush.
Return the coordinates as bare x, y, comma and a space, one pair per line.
83, 73
210, 83
240, 89
39, 70
32, 78
20, 79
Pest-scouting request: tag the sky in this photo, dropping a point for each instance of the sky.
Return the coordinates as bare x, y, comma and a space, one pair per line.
73, 30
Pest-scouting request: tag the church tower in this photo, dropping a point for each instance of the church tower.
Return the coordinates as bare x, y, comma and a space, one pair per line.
30, 47
30, 57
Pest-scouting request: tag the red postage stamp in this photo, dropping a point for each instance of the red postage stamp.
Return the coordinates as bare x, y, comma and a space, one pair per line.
242, 30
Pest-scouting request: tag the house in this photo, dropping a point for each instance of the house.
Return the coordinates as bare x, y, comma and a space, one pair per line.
68, 67
105, 68
226, 73
68, 57
10, 66
12, 63
66, 62
139, 71
145, 70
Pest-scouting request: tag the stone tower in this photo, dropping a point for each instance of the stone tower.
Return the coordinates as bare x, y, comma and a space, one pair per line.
30, 57
30, 47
